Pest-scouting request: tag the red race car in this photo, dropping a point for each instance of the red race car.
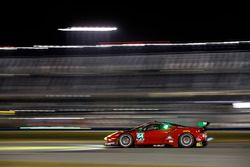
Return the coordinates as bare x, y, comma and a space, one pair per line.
161, 134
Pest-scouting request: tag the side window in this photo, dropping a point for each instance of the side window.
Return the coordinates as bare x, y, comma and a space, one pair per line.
152, 127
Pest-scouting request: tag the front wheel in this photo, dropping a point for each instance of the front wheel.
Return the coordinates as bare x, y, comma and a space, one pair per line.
126, 140
186, 140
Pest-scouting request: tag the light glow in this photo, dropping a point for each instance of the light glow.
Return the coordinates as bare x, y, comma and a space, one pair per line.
8, 112
241, 105
88, 29
48, 118
127, 44
51, 127
165, 127
132, 109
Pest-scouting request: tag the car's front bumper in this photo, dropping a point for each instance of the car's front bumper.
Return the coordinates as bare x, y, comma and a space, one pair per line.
110, 144
110, 141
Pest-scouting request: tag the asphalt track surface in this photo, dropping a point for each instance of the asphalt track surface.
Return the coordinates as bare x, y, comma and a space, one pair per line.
215, 154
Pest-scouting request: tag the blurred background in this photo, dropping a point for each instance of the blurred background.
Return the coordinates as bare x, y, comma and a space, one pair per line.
121, 86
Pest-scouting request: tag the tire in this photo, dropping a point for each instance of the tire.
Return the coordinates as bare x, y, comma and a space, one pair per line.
186, 140
126, 140
204, 144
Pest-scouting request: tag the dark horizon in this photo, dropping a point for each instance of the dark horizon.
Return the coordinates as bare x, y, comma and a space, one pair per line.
37, 24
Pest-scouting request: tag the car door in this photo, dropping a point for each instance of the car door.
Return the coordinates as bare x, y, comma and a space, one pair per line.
154, 134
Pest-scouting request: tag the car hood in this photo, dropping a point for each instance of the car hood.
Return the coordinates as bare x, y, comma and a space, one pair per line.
116, 134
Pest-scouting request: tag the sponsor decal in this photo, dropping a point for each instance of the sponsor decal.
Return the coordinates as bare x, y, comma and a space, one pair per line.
140, 137
199, 144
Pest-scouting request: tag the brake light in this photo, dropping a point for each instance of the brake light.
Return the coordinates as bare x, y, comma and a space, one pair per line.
201, 130
204, 135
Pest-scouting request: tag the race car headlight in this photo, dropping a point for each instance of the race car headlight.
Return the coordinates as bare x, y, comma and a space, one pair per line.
105, 138
112, 139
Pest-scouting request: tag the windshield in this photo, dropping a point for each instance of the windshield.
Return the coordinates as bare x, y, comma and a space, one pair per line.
142, 125
173, 124
145, 124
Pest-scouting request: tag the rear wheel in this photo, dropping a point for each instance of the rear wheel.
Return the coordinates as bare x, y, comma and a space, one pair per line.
126, 140
186, 140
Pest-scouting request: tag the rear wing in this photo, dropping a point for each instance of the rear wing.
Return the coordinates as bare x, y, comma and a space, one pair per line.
203, 124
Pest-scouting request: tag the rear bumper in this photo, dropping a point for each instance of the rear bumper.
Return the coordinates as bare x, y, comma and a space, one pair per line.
201, 144
204, 143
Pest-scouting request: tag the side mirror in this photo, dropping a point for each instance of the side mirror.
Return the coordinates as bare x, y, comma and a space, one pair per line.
140, 130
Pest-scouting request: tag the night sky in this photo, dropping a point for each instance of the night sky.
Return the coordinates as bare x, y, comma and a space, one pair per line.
26, 24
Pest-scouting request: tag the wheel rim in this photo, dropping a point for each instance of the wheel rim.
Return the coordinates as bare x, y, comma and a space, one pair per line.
186, 140
125, 140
